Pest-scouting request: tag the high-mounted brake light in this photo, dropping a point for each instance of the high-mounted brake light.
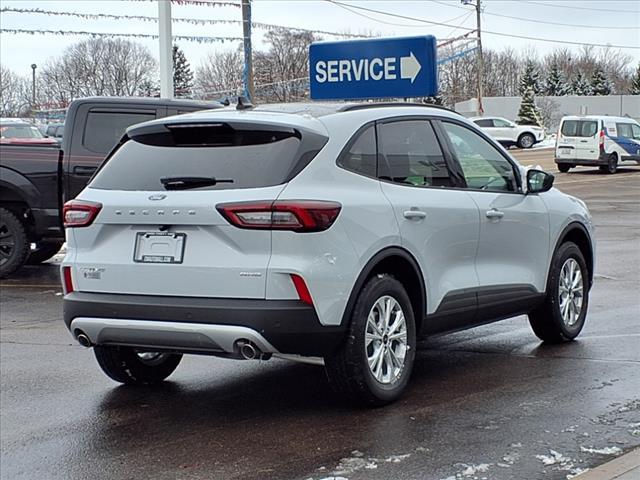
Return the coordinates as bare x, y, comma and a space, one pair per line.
79, 213
67, 281
295, 215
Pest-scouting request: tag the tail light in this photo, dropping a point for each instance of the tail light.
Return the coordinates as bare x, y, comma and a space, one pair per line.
295, 215
302, 289
79, 213
67, 281
601, 140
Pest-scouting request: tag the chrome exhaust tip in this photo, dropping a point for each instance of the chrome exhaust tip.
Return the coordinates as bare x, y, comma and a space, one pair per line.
83, 340
248, 350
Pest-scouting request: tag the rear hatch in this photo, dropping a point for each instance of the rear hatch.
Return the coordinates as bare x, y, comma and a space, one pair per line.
578, 139
158, 231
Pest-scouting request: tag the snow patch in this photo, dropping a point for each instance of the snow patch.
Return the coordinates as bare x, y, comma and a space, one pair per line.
575, 472
553, 459
397, 458
602, 451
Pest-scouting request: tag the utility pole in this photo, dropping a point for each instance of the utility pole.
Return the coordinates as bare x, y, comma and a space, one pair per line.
33, 85
247, 74
480, 58
166, 48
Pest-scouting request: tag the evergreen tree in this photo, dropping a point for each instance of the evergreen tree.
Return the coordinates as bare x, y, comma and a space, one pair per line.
182, 74
528, 113
600, 84
580, 86
530, 78
556, 85
635, 82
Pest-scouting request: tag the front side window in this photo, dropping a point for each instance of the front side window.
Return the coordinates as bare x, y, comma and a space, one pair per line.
501, 123
411, 154
483, 167
361, 156
104, 129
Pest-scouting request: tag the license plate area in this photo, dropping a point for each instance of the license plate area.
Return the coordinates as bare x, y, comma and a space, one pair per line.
159, 247
566, 151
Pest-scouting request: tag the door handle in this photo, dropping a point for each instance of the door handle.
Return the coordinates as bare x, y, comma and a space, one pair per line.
494, 213
414, 214
84, 170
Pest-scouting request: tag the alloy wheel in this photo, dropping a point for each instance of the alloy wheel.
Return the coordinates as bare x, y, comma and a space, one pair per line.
570, 292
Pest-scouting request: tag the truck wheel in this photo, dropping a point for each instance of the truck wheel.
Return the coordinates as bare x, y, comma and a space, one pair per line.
43, 252
14, 245
374, 364
564, 167
526, 140
562, 315
134, 367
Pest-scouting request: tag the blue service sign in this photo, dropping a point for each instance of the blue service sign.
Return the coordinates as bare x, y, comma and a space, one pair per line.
377, 68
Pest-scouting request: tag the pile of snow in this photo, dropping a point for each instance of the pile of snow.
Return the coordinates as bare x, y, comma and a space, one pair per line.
602, 451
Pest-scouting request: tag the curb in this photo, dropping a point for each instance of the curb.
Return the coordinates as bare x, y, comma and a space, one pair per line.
626, 467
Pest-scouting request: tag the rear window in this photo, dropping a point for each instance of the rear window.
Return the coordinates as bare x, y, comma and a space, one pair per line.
579, 128
103, 129
247, 157
484, 123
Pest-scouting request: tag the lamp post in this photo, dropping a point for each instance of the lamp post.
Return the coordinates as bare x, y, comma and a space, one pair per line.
33, 85
478, 6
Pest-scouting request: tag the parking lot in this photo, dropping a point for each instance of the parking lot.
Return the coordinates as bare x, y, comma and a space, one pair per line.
491, 402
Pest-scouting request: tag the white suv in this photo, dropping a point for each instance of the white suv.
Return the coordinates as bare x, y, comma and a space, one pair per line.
509, 133
329, 233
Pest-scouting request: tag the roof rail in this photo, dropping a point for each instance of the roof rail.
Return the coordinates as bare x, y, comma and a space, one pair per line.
363, 106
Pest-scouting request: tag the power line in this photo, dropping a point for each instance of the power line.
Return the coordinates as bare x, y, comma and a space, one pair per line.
500, 34
192, 21
541, 21
188, 38
573, 7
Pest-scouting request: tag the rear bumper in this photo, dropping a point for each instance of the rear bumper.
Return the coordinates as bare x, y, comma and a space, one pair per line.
601, 160
200, 325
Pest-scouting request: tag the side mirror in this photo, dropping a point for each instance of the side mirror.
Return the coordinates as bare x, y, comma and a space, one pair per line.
539, 181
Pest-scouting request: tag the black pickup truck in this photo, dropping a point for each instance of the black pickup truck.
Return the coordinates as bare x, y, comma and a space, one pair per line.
36, 180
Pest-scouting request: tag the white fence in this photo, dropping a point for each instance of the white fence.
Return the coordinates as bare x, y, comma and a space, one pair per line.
552, 109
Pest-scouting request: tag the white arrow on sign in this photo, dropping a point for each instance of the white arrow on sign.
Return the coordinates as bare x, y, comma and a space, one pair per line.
409, 67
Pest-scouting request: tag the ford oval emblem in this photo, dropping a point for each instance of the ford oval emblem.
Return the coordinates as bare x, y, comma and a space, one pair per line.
157, 196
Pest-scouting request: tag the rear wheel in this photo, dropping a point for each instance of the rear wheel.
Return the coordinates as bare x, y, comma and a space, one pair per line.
135, 367
14, 245
526, 140
374, 364
563, 167
562, 315
43, 252
612, 164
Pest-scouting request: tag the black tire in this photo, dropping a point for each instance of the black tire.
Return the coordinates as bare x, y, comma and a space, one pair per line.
612, 165
124, 365
563, 167
14, 244
547, 321
43, 252
348, 369
526, 140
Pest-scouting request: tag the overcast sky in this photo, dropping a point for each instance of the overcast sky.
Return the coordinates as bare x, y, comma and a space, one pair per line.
617, 22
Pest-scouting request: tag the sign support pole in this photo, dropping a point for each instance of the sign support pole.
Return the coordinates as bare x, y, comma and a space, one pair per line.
247, 74
480, 58
166, 49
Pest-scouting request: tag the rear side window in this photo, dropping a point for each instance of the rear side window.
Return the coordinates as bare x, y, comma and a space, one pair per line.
579, 128
624, 130
361, 156
247, 158
484, 123
104, 129
412, 154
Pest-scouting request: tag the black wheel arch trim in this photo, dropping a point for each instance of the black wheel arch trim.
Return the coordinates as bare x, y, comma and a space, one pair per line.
575, 225
369, 267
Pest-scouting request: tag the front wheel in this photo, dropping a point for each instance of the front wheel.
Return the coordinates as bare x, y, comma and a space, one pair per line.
562, 315
135, 367
374, 364
526, 140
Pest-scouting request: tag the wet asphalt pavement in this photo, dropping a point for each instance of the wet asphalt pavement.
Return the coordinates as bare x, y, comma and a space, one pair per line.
485, 403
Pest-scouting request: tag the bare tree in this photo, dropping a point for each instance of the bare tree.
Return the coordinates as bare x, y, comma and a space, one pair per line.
15, 94
220, 74
99, 66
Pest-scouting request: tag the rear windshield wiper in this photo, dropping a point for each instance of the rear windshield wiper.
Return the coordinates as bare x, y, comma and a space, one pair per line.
185, 183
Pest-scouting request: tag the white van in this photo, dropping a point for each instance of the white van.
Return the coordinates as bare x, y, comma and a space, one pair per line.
597, 140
